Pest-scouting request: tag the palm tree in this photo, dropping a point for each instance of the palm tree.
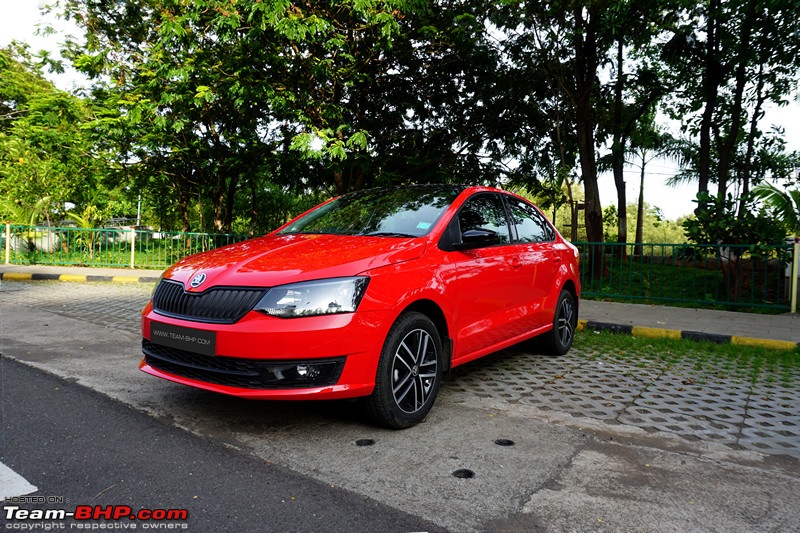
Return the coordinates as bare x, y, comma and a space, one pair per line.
784, 204
15, 213
28, 238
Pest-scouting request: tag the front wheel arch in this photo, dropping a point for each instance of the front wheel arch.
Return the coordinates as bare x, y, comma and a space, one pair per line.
409, 373
432, 310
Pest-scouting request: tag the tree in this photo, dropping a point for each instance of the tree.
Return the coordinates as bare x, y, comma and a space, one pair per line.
746, 53
222, 112
48, 143
429, 104
222, 99
191, 111
562, 42
567, 44
712, 224
21, 80
785, 205
629, 100
650, 142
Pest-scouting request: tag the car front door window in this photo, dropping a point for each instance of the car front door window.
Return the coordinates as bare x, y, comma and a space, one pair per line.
485, 212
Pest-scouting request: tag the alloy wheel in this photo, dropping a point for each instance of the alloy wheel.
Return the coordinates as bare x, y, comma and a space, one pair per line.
414, 371
566, 321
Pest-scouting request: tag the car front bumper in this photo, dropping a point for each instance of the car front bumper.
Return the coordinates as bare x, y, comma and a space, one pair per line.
263, 357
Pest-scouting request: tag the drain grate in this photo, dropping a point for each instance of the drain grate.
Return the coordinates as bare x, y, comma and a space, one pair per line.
464, 473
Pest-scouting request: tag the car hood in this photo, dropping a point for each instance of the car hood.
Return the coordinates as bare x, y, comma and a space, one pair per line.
278, 259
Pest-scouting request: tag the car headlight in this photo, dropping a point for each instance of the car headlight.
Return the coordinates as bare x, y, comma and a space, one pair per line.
311, 298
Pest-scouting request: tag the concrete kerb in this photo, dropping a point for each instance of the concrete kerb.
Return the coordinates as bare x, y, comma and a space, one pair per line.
662, 333
34, 276
78, 274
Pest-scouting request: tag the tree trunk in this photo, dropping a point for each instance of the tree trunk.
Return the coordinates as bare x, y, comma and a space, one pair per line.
230, 197
711, 81
751, 141
183, 204
618, 154
338, 180
585, 75
254, 213
640, 215
216, 208
728, 147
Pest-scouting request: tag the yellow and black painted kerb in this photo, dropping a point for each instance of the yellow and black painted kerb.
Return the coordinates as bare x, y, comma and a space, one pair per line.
38, 276
662, 333
636, 331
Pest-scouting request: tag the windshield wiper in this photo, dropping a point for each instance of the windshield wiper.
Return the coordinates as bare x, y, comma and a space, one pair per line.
308, 232
389, 234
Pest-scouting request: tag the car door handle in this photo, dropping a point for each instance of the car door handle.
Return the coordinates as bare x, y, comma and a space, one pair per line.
516, 263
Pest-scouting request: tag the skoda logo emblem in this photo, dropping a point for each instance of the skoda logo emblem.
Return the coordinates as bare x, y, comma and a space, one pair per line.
198, 280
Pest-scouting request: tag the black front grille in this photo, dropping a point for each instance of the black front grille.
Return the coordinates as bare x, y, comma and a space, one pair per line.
239, 372
219, 305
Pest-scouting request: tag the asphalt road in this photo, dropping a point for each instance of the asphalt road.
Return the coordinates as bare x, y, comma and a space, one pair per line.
85, 424
72, 442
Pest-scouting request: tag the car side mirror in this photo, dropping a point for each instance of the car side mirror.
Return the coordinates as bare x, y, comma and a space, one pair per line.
477, 238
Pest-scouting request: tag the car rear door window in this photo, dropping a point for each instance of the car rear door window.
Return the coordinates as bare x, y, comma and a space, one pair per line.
529, 224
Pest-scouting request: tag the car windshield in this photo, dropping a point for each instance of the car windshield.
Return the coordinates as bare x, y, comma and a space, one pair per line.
408, 211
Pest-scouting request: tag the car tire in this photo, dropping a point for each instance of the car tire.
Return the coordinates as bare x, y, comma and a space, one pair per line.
409, 373
558, 340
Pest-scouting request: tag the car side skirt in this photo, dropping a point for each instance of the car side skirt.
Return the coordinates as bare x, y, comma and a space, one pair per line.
500, 345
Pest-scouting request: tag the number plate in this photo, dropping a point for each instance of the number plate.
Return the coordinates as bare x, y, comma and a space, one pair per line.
187, 339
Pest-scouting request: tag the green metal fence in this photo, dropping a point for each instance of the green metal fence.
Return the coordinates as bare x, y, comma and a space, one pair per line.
727, 276
129, 247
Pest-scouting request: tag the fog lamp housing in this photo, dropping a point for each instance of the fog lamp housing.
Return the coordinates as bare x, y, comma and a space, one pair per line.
309, 373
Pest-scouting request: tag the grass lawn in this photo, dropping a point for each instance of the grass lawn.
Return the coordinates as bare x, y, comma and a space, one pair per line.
707, 361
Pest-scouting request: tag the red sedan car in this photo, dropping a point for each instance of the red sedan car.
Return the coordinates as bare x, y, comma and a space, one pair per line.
377, 294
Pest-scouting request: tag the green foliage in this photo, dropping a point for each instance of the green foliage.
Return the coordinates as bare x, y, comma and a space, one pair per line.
222, 100
221, 113
49, 147
15, 213
610, 222
785, 205
657, 229
21, 80
717, 223
727, 60
90, 217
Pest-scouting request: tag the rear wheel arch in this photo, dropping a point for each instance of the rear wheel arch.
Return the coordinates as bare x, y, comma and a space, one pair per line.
572, 288
558, 340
